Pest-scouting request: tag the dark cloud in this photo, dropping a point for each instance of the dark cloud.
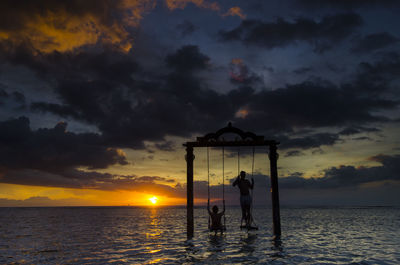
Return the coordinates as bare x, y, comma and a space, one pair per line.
40, 201
15, 99
139, 106
318, 151
312, 104
350, 131
362, 138
154, 178
60, 110
302, 70
294, 153
241, 74
129, 105
348, 176
53, 149
348, 3
358, 129
336, 68
374, 42
3, 96
78, 179
311, 141
168, 146
186, 28
322, 35
3, 92
187, 58
114, 66
18, 97
376, 78
50, 157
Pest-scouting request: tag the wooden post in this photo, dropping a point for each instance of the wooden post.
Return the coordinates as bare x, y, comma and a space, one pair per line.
189, 187
273, 157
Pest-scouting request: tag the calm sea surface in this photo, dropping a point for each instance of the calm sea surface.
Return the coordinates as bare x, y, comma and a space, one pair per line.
85, 235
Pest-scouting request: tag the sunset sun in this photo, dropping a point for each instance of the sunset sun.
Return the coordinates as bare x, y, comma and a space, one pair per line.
153, 200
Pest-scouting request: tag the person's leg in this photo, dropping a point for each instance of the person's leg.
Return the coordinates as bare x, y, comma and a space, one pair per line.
244, 216
243, 206
247, 209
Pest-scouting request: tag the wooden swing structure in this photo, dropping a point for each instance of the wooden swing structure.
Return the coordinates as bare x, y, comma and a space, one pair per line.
251, 220
246, 139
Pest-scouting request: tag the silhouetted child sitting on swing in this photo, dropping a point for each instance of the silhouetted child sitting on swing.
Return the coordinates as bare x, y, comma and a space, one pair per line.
215, 216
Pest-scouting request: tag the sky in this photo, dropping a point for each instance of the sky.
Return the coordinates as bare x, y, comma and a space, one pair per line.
98, 96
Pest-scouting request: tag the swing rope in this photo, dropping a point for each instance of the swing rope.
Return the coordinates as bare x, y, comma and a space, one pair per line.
223, 183
251, 191
252, 165
208, 186
252, 197
238, 163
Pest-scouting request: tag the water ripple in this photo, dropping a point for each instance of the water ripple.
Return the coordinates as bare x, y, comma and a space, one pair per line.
158, 236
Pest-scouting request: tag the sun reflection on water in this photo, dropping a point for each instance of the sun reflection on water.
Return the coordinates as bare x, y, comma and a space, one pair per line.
154, 232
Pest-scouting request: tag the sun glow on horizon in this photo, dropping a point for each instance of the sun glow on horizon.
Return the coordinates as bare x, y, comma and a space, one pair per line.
153, 200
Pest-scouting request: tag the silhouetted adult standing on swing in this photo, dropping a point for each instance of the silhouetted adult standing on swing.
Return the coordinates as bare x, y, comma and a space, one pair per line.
245, 197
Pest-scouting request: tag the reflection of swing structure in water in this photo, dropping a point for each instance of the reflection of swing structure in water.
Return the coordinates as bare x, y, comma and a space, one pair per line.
247, 139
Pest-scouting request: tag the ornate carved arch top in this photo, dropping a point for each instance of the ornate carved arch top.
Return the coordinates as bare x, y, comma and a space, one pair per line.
215, 137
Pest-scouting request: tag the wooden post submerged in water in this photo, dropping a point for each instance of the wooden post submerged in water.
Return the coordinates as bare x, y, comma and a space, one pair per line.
246, 139
273, 160
189, 187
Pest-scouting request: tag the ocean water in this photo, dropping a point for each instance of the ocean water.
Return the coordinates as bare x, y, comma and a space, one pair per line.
128, 235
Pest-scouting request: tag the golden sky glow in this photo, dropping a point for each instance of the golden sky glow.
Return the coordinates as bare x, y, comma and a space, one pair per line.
22, 195
173, 166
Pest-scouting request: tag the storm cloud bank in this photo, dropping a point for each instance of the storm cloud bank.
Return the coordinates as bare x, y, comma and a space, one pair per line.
67, 66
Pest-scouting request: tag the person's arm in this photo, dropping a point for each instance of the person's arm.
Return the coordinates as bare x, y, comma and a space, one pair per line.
208, 207
252, 183
235, 182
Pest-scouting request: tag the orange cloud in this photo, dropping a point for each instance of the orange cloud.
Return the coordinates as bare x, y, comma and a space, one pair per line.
181, 4
235, 11
237, 61
45, 27
242, 113
238, 70
48, 26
